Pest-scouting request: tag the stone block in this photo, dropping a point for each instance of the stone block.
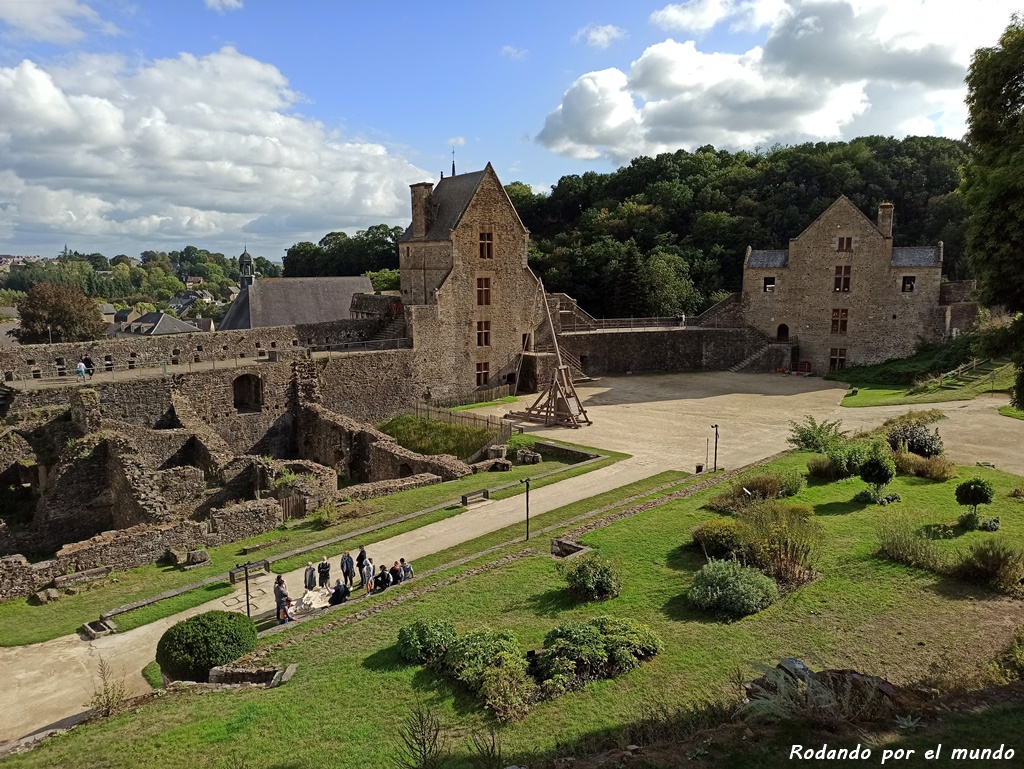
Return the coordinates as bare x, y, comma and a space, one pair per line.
197, 557
497, 452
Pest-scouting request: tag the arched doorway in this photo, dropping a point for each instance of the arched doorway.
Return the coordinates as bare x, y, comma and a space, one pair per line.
782, 335
248, 392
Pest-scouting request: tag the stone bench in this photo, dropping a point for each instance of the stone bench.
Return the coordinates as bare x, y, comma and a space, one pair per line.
475, 496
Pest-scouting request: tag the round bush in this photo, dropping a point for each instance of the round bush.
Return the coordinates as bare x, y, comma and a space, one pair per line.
917, 439
591, 578
717, 537
470, 655
425, 641
188, 650
726, 587
603, 647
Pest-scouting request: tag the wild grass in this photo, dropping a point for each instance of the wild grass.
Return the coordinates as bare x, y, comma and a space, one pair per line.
427, 436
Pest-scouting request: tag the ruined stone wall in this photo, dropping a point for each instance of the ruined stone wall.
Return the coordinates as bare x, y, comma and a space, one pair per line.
181, 349
955, 291
85, 410
684, 349
389, 460
883, 321
372, 386
393, 486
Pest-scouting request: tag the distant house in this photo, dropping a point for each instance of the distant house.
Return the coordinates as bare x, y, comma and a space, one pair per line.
206, 325
290, 301
154, 324
182, 303
126, 316
108, 312
230, 293
193, 280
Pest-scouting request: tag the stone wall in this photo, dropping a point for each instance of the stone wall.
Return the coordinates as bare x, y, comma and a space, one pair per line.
85, 410
683, 349
726, 314
955, 291
389, 460
138, 546
393, 486
179, 350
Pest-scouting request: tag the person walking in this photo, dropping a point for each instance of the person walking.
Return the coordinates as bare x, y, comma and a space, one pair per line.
90, 367
360, 563
324, 570
280, 592
80, 369
407, 572
348, 569
309, 577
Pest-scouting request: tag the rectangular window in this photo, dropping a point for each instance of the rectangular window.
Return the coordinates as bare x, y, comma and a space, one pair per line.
839, 318
844, 244
843, 278
483, 292
908, 283
483, 333
769, 285
837, 359
483, 373
486, 245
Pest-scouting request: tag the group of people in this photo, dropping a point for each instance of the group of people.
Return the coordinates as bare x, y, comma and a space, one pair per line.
319, 577
85, 367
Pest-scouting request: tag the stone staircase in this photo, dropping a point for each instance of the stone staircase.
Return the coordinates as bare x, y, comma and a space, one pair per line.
767, 344
392, 329
576, 371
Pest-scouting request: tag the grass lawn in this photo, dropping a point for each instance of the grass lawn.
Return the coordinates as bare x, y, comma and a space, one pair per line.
863, 613
22, 622
968, 388
1010, 411
506, 399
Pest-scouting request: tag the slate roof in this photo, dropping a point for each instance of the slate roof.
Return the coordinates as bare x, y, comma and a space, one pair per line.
916, 256
450, 198
768, 259
156, 324
107, 309
122, 316
293, 301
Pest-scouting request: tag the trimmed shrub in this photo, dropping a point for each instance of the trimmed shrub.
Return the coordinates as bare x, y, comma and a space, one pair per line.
878, 469
189, 649
989, 524
968, 521
425, 641
469, 655
973, 492
727, 588
814, 436
590, 577
579, 651
506, 688
781, 539
908, 463
846, 458
864, 497
717, 537
995, 563
916, 437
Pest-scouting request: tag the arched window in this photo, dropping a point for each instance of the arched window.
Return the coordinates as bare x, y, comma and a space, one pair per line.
248, 391
782, 334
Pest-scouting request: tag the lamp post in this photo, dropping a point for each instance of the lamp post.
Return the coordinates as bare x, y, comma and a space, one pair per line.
245, 566
716, 448
49, 330
527, 482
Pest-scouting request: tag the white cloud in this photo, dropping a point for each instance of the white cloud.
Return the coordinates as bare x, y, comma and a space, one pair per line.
224, 5
173, 151
457, 141
599, 36
511, 52
54, 21
827, 69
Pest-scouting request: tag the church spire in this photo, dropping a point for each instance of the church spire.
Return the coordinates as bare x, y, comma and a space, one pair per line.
453, 160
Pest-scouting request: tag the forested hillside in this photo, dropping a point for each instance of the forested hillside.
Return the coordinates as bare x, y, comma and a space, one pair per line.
667, 234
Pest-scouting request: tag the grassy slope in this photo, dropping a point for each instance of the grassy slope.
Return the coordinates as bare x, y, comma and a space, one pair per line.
427, 436
1010, 411
24, 623
468, 406
864, 613
896, 395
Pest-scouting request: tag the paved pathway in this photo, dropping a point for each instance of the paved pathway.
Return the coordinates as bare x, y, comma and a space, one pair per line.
663, 420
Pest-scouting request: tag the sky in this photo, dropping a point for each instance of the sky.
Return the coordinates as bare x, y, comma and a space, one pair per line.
128, 125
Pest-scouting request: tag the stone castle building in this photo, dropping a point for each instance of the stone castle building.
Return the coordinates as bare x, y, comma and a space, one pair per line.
842, 294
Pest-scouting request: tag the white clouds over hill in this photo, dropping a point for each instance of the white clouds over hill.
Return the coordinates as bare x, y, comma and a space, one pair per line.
827, 69
165, 151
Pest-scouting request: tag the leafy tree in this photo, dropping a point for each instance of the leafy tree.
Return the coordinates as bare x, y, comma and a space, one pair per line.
973, 492
878, 468
385, 280
994, 178
266, 268
64, 311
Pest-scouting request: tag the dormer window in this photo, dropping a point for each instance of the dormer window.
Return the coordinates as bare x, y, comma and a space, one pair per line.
769, 285
908, 283
844, 244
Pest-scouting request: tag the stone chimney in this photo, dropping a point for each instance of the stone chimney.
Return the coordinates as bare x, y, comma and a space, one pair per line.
885, 219
422, 208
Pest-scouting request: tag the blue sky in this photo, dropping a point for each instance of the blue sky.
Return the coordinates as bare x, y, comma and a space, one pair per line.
134, 125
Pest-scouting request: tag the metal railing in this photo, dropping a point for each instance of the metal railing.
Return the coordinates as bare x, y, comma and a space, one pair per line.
600, 324
368, 345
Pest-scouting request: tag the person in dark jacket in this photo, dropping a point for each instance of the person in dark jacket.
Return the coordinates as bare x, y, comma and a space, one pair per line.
383, 580
396, 574
340, 593
348, 569
90, 367
360, 562
280, 592
324, 570
309, 576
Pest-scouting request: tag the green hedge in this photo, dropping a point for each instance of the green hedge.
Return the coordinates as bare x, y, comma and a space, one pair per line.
188, 650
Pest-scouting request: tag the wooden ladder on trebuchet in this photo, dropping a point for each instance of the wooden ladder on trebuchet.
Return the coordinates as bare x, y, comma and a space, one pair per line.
558, 405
